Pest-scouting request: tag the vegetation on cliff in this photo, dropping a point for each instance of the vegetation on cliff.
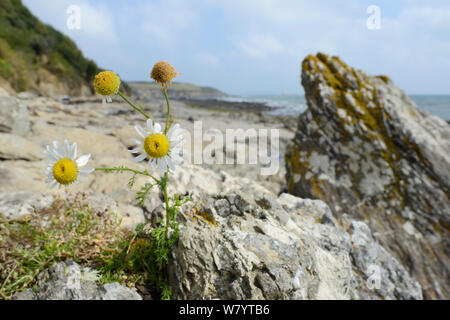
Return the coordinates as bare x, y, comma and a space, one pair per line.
32, 52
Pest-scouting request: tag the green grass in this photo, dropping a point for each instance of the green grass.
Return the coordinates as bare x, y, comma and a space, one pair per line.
70, 229
28, 45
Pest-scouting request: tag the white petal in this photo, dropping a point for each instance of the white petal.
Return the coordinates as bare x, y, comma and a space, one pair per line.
54, 185
59, 149
174, 143
172, 130
51, 155
141, 131
136, 141
83, 160
151, 164
137, 150
54, 152
162, 165
140, 158
67, 149
177, 159
150, 124
74, 150
170, 163
85, 171
157, 128
49, 179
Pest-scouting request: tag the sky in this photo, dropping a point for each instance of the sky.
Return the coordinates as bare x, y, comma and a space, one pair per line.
255, 47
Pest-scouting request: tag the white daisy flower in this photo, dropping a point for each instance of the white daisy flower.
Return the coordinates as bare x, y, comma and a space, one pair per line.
63, 169
163, 150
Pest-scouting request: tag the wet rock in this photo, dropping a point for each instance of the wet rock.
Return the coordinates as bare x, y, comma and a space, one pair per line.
364, 148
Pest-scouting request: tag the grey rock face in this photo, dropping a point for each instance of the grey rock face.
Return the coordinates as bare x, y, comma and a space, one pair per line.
260, 247
364, 148
16, 205
70, 281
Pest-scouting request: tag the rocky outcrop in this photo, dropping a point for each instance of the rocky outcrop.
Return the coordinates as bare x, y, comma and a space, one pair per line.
69, 281
364, 148
247, 245
238, 239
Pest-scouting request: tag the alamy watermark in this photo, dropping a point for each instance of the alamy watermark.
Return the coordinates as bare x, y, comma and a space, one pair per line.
238, 146
374, 20
74, 18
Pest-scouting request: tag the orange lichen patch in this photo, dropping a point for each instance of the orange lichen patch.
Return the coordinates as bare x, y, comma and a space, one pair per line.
415, 148
384, 78
297, 166
352, 92
205, 216
208, 217
316, 189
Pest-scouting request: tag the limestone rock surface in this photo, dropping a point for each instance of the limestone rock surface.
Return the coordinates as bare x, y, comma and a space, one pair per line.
364, 148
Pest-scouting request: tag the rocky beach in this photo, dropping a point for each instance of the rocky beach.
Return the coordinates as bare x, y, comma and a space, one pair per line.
356, 208
265, 243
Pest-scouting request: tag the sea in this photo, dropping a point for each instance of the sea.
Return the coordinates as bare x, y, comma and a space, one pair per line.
294, 105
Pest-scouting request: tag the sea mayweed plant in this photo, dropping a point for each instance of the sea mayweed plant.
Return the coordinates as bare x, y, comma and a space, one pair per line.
161, 146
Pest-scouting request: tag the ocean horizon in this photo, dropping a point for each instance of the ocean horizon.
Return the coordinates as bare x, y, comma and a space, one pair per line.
294, 105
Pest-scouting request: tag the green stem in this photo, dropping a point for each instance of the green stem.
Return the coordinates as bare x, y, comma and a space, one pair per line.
166, 199
9, 274
139, 109
122, 169
168, 110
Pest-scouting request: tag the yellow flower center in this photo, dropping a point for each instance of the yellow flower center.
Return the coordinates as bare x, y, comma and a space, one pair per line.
156, 145
106, 83
65, 171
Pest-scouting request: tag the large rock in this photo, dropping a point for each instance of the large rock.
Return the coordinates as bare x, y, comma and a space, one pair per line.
365, 148
247, 245
69, 281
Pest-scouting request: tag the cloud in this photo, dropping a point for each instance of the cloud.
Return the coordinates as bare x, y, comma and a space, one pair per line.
263, 41
261, 46
434, 18
165, 21
207, 59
